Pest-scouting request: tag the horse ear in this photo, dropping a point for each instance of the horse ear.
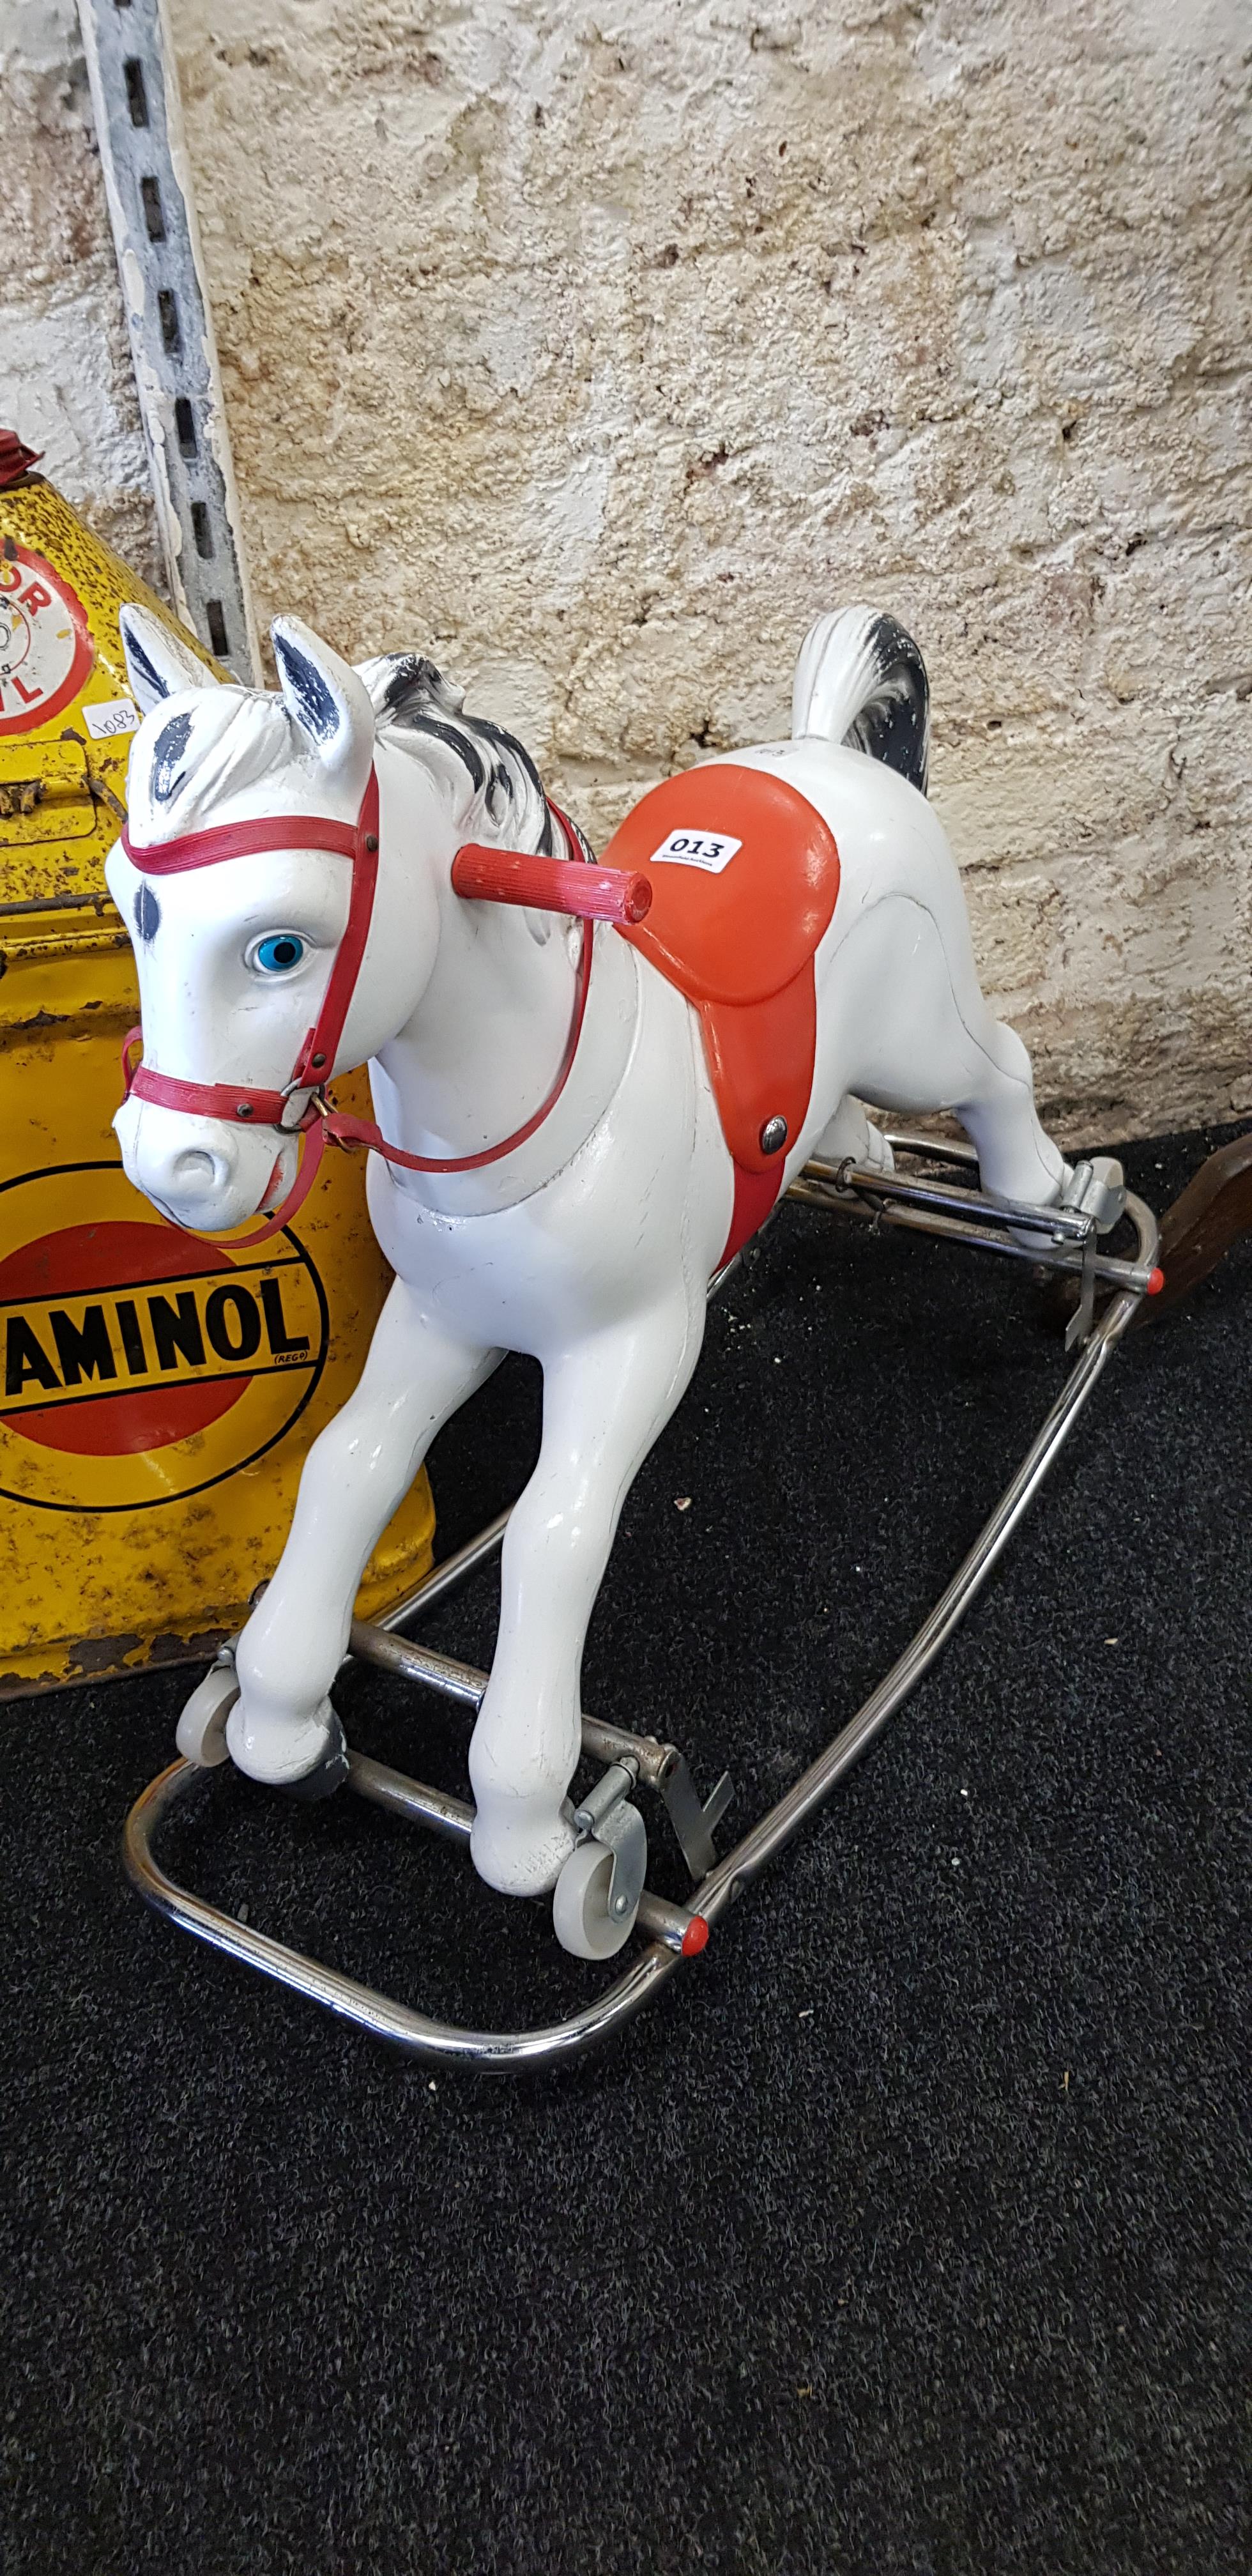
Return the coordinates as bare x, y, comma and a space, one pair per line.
158, 663
323, 696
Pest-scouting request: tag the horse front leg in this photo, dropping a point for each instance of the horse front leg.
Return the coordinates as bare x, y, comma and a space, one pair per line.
283, 1727
604, 1402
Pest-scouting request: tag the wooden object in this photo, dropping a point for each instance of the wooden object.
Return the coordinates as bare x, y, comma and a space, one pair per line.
1198, 1230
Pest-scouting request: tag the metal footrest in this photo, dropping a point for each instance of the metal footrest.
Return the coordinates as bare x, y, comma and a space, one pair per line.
673, 1932
1056, 1238
658, 1766
439, 1813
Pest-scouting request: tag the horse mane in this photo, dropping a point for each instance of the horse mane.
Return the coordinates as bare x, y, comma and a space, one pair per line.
231, 738
422, 711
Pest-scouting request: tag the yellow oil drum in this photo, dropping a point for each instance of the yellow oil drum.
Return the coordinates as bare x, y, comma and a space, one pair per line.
160, 1390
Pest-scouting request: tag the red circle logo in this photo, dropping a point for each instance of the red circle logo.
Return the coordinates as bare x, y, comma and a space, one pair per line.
46, 652
140, 1365
61, 1336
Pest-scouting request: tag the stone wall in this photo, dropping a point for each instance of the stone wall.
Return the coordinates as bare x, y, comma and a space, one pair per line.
65, 374
596, 348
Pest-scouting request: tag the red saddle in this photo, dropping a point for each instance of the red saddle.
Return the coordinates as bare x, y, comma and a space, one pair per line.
744, 876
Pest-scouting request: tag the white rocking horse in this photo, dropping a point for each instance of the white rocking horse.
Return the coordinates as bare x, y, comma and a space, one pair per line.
579, 1119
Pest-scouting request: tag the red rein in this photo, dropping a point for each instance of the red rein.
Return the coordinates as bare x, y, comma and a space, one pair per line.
479, 875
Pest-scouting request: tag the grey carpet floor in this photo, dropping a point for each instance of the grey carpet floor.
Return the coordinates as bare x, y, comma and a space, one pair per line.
905, 2237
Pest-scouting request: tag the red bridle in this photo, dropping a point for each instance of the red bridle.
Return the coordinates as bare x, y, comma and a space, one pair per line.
574, 886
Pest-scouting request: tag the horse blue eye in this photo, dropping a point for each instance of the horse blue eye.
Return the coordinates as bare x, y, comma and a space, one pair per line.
277, 956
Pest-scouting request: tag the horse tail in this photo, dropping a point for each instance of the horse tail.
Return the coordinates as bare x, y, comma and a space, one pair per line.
861, 680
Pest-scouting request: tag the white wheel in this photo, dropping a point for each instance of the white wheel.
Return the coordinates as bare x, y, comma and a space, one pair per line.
580, 1905
202, 1726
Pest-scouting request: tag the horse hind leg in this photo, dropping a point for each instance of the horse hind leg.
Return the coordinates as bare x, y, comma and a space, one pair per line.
909, 1028
985, 1069
1017, 1159
851, 1136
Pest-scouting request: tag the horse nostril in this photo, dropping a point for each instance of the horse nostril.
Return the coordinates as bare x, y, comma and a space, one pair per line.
193, 1166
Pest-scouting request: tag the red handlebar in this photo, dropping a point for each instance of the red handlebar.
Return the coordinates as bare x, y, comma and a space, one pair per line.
550, 885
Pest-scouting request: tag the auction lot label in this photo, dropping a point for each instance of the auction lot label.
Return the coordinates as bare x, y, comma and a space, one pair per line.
140, 1364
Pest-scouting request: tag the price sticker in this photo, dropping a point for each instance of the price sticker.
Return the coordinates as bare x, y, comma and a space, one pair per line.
117, 715
711, 851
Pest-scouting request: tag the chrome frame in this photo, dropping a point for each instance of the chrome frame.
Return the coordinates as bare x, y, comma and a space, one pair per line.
1065, 1243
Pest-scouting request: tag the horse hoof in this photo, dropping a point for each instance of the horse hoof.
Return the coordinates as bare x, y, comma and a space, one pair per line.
521, 1847
327, 1775
1097, 1188
878, 1155
201, 1736
582, 1915
309, 1760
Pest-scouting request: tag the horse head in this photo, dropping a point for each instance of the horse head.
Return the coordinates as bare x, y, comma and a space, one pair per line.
235, 960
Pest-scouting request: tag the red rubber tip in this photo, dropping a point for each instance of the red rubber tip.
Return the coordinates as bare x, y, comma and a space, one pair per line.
695, 1938
1156, 1283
